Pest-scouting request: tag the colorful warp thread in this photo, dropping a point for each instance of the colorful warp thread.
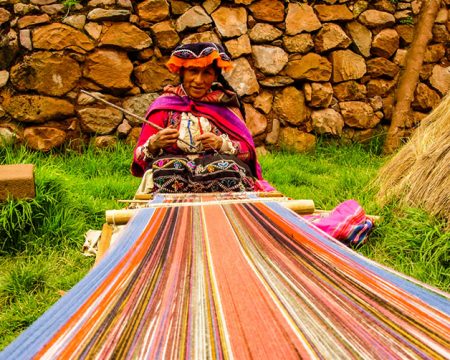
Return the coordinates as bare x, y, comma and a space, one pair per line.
238, 281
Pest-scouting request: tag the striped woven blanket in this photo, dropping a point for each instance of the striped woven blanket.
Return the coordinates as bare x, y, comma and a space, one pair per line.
238, 281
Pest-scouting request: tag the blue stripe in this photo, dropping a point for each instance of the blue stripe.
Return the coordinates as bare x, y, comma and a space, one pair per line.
434, 299
26, 345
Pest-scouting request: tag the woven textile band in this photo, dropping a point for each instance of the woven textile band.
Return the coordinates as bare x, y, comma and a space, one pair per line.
200, 54
238, 281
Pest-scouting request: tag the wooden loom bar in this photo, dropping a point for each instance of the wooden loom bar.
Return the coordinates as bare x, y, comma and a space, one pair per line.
104, 242
258, 194
120, 217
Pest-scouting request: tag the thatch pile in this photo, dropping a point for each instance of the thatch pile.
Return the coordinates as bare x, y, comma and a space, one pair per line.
419, 174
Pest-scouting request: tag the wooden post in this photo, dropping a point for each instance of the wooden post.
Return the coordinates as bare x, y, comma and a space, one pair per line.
104, 242
408, 81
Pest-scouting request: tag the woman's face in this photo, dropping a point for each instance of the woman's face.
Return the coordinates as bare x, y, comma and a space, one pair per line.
198, 80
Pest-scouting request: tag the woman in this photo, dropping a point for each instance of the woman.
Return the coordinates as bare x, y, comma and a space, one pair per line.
204, 145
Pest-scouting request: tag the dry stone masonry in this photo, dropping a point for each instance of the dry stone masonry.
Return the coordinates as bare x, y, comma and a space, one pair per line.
302, 68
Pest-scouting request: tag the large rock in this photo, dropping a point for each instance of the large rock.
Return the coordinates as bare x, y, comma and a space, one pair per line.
32, 20
361, 36
261, 33
43, 138
211, 5
318, 94
357, 135
405, 32
400, 57
242, 78
108, 15
165, 34
276, 81
21, 8
9, 48
296, 140
385, 5
349, 90
380, 87
440, 79
327, 121
434, 53
311, 67
381, 67
111, 69
104, 141
48, 73
377, 19
100, 121
5, 15
300, 18
10, 133
425, 98
440, 33
301, 43
124, 129
37, 109
25, 39
331, 36
153, 10
443, 15
385, 43
358, 114
264, 101
76, 21
256, 122
268, 10
179, 7
333, 13
289, 106
239, 46
230, 22
126, 36
53, 9
269, 59
153, 76
207, 36
192, 19
61, 37
138, 105
133, 136
359, 7
273, 135
4, 77
93, 29
347, 65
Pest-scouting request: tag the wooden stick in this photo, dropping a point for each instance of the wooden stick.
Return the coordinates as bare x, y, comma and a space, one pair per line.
261, 194
120, 217
137, 117
103, 243
300, 206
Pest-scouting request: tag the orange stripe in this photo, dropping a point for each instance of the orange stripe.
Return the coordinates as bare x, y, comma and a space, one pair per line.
124, 266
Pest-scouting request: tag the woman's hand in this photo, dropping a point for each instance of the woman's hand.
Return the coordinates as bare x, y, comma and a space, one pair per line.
210, 141
163, 138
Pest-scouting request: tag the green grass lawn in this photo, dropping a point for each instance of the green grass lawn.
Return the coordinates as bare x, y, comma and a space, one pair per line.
41, 240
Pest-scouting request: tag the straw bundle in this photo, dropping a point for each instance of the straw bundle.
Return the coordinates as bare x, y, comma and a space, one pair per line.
419, 174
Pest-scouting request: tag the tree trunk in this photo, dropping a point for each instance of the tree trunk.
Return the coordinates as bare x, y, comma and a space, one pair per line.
408, 80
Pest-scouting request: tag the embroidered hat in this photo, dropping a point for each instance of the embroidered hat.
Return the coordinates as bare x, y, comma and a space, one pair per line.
199, 54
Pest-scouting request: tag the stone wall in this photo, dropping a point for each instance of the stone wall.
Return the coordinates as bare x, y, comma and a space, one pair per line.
302, 68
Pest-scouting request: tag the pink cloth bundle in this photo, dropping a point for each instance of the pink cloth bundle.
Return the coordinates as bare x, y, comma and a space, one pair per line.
347, 223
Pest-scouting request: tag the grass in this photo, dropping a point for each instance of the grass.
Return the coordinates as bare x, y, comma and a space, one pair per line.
41, 239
